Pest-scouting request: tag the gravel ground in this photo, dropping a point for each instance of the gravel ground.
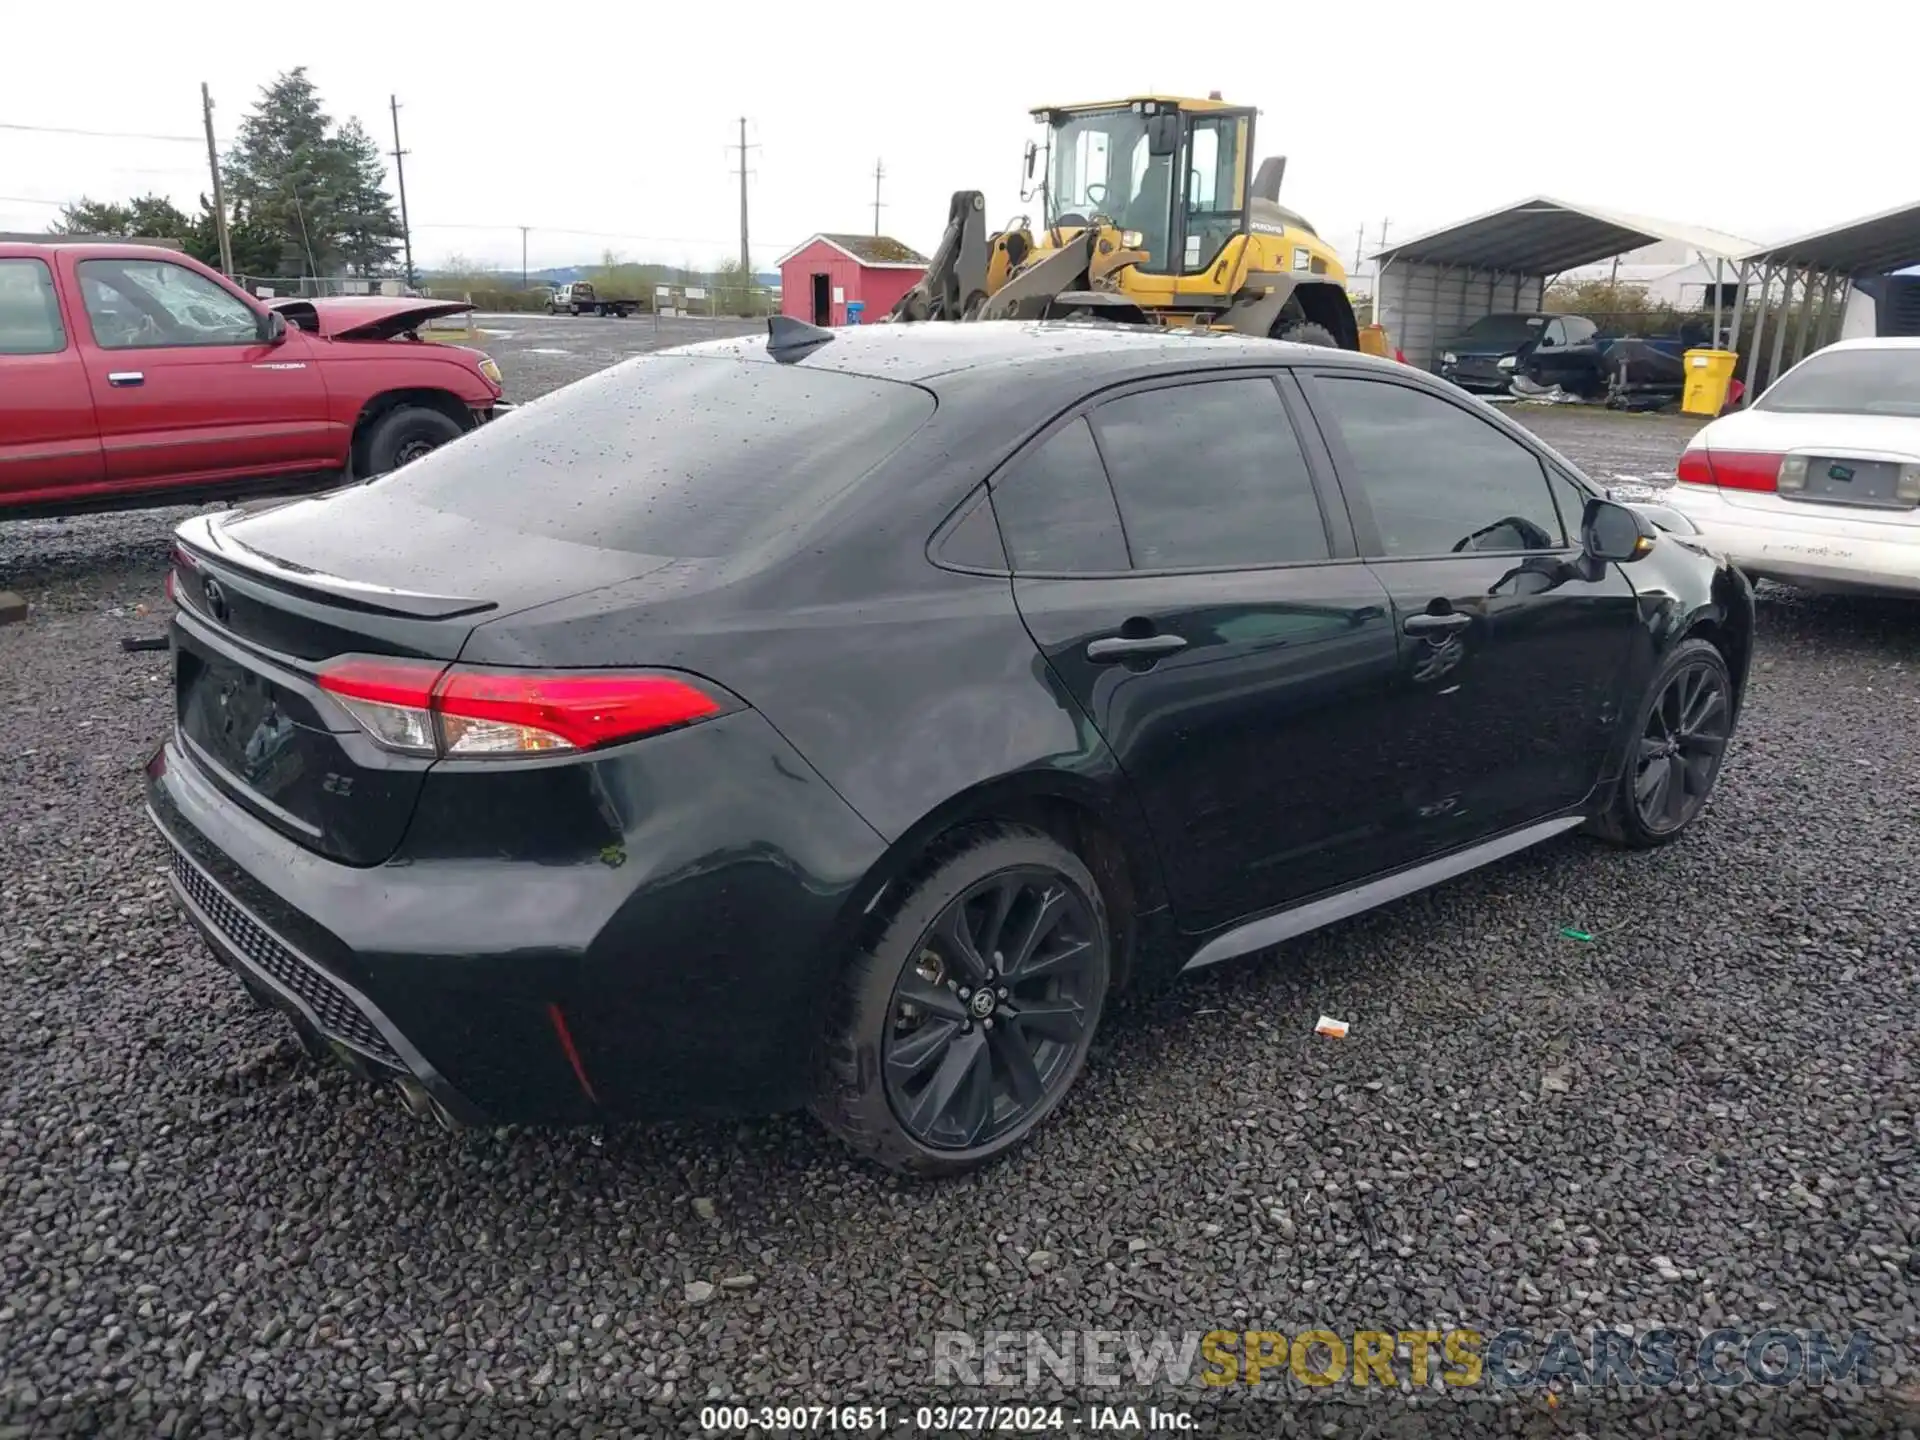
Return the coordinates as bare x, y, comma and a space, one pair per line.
1704, 1116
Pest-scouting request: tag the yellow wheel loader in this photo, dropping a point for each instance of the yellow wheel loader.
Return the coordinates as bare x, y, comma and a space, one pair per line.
1153, 216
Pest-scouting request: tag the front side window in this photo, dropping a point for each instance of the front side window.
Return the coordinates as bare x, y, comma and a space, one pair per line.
1211, 476
1438, 480
139, 304
1102, 166
29, 310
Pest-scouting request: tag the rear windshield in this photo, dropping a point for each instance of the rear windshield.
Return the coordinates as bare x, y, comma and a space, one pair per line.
1504, 329
1849, 382
672, 455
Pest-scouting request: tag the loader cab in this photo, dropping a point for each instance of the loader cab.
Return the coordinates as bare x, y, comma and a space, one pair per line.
1171, 175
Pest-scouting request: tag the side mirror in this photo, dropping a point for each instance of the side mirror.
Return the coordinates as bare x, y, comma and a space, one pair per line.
273, 329
1163, 133
1033, 152
1615, 532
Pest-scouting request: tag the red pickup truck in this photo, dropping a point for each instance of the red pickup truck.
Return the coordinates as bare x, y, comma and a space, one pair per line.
133, 375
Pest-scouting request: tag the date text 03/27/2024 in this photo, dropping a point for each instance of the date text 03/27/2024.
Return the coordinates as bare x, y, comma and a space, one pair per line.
718, 1420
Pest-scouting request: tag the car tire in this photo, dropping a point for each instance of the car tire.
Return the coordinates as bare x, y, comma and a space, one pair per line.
902, 1082
406, 434
1681, 725
1306, 333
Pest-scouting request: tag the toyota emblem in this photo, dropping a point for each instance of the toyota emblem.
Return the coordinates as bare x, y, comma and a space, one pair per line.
216, 598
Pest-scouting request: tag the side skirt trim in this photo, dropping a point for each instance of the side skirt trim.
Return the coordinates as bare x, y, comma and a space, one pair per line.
1271, 930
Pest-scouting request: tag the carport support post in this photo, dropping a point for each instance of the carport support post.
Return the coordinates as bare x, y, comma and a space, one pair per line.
1786, 318
1759, 328
1739, 309
1810, 339
1715, 342
1806, 319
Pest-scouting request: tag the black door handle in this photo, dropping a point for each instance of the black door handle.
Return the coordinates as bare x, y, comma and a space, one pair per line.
1129, 647
1426, 624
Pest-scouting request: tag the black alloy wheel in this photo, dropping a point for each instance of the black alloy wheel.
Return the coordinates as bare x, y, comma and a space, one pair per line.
1679, 739
990, 1013
963, 1023
1681, 746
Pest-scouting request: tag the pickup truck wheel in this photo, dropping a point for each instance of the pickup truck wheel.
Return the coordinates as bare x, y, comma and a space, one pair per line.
406, 434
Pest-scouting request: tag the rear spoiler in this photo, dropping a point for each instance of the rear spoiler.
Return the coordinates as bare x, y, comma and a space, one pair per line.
205, 538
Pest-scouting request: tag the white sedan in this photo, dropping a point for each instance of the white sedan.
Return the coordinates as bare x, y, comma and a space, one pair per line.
1818, 482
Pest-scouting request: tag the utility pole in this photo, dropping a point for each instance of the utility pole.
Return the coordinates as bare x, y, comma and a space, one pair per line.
879, 174
219, 195
1373, 314
400, 176
523, 256
1359, 249
746, 256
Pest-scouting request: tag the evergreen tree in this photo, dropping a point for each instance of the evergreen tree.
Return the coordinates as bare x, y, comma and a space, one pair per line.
369, 230
319, 189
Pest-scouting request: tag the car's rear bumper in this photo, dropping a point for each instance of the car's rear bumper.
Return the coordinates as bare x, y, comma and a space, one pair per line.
1816, 549
683, 970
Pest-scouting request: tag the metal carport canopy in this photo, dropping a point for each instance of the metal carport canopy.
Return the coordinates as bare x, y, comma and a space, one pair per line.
1873, 246
1439, 283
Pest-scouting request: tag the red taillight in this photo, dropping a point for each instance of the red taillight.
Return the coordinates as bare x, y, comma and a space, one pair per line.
422, 708
181, 559
481, 709
1731, 469
407, 683
1694, 468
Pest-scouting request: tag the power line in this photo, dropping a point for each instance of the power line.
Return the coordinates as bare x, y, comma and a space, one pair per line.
30, 200
587, 234
100, 134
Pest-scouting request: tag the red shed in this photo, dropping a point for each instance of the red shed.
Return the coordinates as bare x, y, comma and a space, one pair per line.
821, 278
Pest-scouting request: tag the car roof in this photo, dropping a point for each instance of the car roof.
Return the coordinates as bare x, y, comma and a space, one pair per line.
90, 249
923, 351
1872, 342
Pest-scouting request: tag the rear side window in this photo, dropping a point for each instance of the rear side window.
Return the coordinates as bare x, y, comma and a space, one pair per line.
1439, 480
29, 311
1211, 476
1056, 509
672, 455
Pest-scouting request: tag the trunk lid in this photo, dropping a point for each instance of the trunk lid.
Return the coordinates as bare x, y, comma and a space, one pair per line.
1859, 442
267, 599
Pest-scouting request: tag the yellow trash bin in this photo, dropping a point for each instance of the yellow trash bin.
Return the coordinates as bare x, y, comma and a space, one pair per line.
1709, 374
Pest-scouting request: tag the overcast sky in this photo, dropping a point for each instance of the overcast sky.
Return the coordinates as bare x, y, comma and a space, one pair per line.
1423, 114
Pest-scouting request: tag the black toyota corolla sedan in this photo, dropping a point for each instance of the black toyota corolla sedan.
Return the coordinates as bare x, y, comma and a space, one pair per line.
839, 719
